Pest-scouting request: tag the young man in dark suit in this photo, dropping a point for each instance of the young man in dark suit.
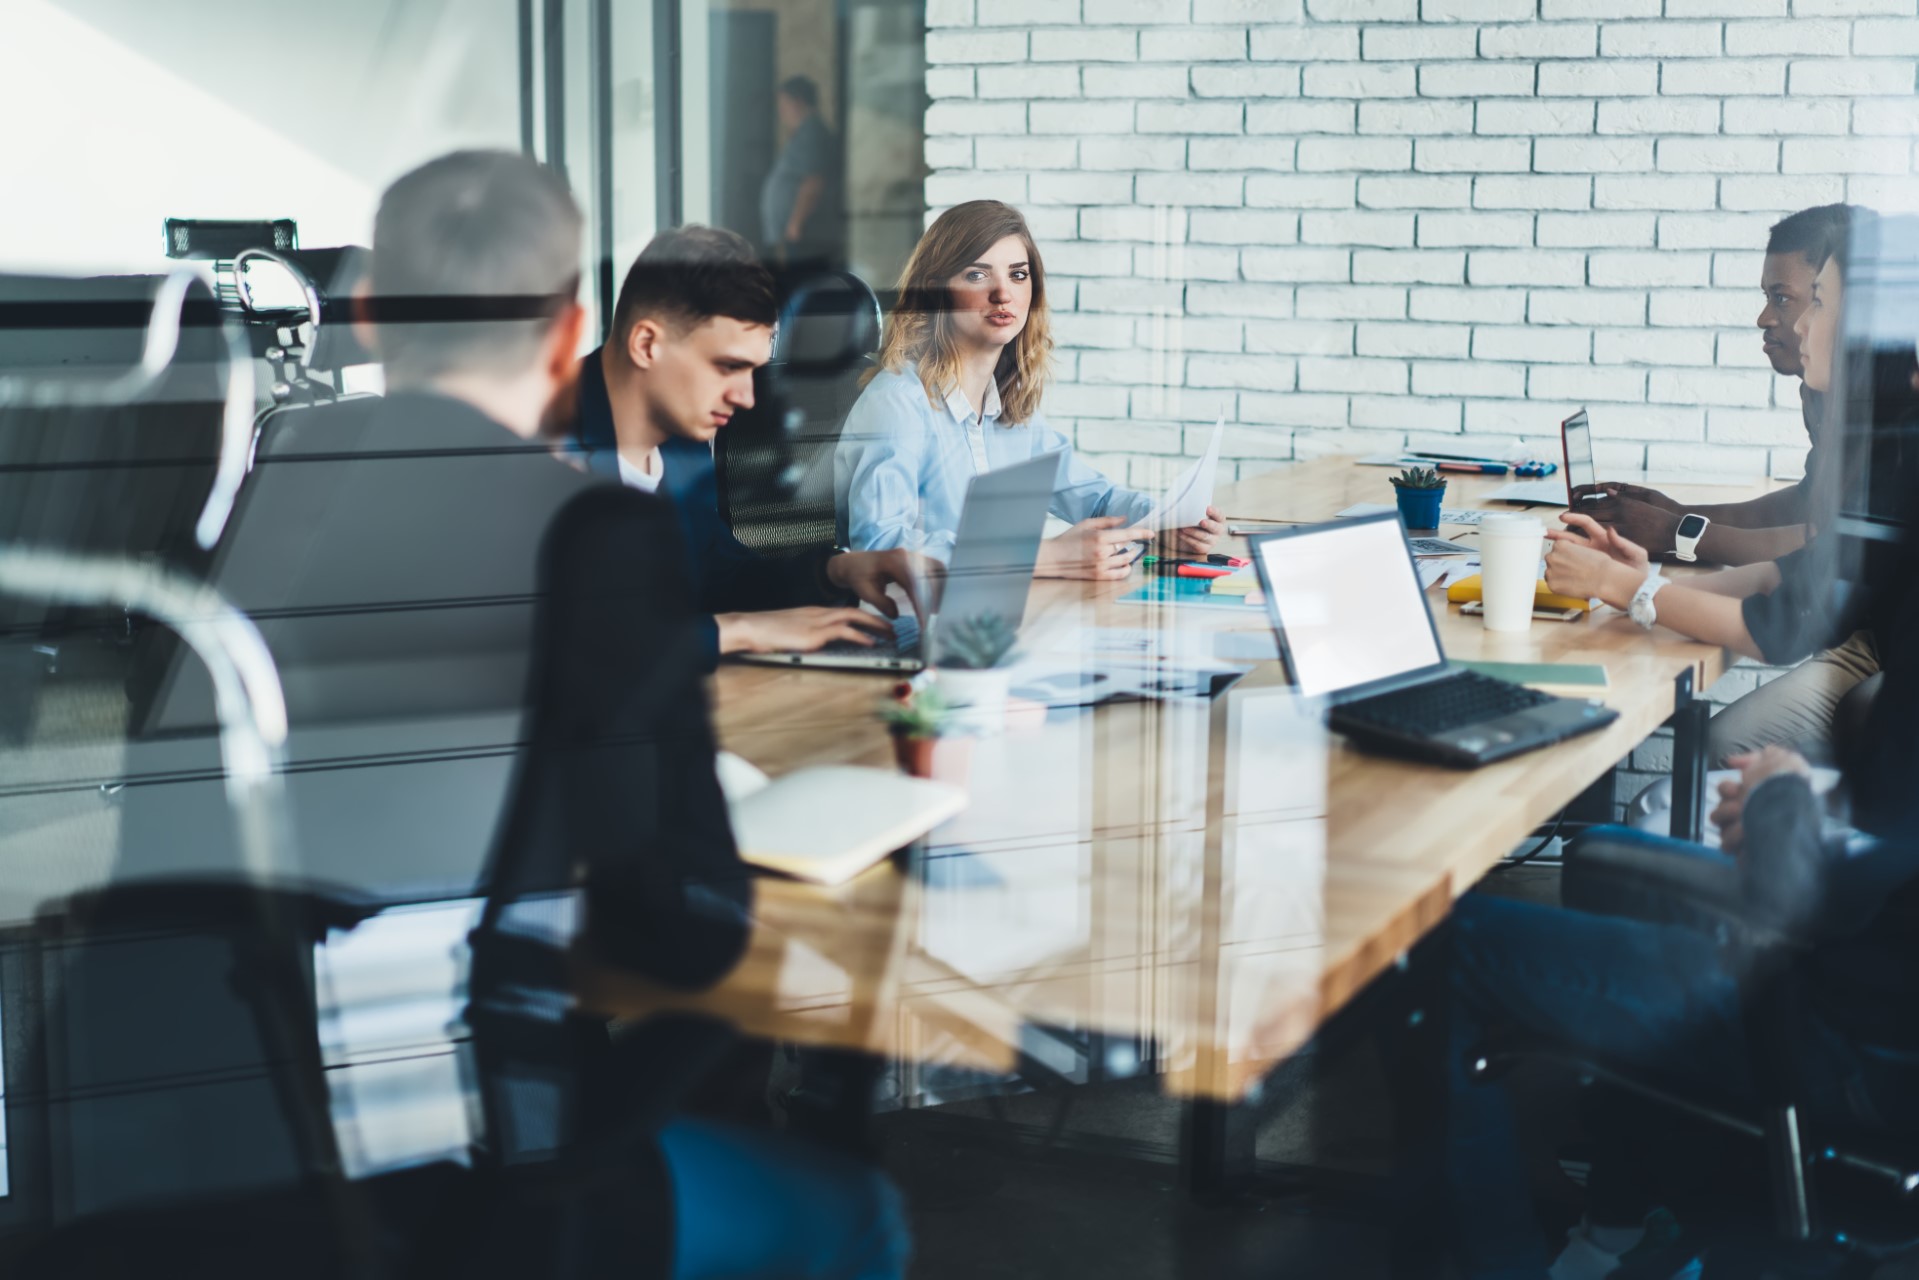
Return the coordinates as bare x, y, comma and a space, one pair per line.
694, 319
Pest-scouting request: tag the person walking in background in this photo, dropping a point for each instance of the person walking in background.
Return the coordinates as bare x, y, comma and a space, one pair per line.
800, 199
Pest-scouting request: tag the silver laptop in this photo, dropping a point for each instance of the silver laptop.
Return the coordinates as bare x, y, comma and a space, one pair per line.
990, 572
1576, 445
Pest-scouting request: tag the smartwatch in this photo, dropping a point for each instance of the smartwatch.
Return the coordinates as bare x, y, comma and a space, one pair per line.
827, 589
1685, 539
1640, 609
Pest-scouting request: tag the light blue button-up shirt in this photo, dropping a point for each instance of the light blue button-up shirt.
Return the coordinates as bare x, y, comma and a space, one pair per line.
903, 464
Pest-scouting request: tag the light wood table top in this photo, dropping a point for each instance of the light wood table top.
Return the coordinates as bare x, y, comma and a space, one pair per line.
1203, 884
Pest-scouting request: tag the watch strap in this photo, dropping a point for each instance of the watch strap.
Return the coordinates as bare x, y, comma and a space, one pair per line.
1640, 607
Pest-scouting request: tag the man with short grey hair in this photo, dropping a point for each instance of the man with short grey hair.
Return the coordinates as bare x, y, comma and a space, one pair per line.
444, 500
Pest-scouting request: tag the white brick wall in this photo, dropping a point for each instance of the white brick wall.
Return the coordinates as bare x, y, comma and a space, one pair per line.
1352, 224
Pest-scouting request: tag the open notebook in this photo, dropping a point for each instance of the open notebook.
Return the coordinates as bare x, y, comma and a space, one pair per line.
827, 824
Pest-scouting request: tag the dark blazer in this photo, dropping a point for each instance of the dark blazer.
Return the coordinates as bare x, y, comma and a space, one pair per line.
727, 575
615, 795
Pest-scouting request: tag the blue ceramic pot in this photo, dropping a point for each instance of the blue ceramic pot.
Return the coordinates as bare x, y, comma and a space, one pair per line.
1419, 508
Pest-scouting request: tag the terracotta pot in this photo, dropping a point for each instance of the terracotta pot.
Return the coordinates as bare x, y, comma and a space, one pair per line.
943, 758
915, 755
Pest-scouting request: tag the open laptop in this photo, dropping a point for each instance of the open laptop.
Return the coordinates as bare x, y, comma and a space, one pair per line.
990, 572
1353, 626
1576, 445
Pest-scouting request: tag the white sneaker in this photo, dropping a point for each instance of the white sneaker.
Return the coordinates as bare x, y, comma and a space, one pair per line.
1592, 1253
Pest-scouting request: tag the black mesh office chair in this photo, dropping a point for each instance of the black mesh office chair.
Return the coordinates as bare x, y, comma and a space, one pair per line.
178, 1100
774, 463
1873, 1175
206, 982
307, 340
174, 1118
125, 414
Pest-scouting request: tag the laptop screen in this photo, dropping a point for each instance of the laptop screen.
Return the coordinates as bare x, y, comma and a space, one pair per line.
996, 547
1578, 438
1347, 604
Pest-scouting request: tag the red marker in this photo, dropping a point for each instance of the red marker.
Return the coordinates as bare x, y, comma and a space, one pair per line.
1202, 571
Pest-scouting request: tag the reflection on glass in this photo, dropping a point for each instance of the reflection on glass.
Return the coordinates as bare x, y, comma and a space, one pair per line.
167, 128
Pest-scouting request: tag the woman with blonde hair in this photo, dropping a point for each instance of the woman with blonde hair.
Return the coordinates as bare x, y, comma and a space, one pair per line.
960, 373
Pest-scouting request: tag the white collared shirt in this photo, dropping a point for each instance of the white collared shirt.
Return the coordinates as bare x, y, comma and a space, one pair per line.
961, 408
646, 479
903, 464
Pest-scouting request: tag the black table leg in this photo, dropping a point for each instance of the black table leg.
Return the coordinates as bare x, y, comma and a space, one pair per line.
1690, 717
1216, 1156
1413, 1045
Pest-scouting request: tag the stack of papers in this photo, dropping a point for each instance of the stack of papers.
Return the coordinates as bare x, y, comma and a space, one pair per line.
1080, 666
1242, 583
1197, 593
1444, 571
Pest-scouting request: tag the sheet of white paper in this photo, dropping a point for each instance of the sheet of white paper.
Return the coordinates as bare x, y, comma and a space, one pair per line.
1447, 515
1187, 498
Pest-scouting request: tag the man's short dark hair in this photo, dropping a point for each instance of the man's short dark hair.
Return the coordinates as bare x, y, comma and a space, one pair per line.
801, 89
688, 275
494, 226
1814, 234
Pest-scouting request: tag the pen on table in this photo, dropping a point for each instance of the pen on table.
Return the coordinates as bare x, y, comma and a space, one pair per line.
1201, 571
1432, 456
1478, 468
1238, 562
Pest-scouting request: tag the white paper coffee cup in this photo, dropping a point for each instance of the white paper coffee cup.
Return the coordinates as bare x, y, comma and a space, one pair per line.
1509, 547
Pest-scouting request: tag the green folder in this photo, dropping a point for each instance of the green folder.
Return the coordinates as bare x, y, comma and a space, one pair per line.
1583, 674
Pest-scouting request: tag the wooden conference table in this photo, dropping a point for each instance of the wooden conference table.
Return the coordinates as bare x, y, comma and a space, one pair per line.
1190, 887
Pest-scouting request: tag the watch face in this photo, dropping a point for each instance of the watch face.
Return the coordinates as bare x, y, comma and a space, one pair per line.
1691, 526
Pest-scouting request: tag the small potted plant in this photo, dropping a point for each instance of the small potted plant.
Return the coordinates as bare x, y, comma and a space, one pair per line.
917, 716
970, 665
1420, 491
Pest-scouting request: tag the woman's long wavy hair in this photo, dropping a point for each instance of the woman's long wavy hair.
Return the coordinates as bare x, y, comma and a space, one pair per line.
921, 326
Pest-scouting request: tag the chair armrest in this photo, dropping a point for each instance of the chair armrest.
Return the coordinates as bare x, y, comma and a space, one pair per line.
1622, 875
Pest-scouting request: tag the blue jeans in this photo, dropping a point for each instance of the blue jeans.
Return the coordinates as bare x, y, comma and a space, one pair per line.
1648, 997
1643, 995
748, 1205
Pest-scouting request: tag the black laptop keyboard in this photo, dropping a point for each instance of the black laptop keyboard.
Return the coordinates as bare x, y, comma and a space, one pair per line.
1440, 705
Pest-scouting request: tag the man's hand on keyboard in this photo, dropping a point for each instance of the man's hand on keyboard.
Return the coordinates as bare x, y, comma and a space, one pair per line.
867, 573
798, 630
